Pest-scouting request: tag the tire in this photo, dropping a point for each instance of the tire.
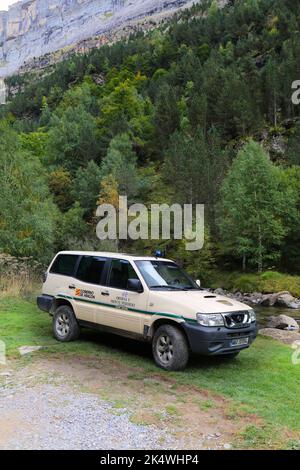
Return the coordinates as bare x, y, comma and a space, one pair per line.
65, 326
170, 348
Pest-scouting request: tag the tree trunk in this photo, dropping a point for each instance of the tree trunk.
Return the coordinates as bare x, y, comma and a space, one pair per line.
275, 109
260, 256
244, 263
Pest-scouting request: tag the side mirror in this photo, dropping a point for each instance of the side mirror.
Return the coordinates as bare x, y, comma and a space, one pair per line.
198, 282
135, 285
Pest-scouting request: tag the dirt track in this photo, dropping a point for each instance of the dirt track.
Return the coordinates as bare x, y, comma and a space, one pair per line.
81, 403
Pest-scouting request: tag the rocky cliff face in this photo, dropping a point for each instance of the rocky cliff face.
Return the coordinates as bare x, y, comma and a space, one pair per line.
32, 28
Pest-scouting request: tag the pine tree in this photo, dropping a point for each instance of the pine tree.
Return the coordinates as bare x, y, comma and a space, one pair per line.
252, 208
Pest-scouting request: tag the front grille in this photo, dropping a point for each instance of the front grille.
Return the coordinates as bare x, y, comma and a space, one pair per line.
237, 319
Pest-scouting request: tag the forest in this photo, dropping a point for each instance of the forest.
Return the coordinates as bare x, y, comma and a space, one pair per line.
198, 110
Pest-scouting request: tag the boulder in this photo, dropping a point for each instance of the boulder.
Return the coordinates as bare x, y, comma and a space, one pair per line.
286, 337
280, 299
253, 298
283, 322
220, 291
28, 349
268, 300
285, 299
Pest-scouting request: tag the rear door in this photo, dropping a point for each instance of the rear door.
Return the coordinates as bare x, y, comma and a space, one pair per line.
61, 275
91, 273
124, 309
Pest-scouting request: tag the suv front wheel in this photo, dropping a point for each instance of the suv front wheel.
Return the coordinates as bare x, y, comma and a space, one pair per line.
170, 348
65, 326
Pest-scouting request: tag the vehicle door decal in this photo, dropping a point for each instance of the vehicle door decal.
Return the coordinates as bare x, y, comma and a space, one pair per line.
85, 293
130, 309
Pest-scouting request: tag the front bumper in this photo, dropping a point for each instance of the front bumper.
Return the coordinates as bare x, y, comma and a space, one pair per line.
217, 341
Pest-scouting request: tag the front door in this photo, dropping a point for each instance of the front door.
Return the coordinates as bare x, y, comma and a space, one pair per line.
124, 309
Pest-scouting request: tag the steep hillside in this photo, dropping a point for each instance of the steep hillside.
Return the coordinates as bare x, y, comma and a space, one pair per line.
32, 28
198, 110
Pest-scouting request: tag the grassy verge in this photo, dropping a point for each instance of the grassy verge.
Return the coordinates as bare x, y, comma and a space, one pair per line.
267, 282
261, 381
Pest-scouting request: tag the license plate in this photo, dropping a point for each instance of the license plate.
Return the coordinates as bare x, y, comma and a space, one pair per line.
240, 342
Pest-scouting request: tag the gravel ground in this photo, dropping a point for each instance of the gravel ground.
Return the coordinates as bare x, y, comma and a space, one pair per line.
53, 417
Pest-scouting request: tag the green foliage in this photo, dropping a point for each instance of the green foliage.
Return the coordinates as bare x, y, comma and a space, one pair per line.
268, 281
290, 259
195, 166
72, 139
167, 116
160, 117
70, 228
252, 208
294, 146
26, 208
60, 184
124, 110
86, 187
120, 164
35, 142
200, 264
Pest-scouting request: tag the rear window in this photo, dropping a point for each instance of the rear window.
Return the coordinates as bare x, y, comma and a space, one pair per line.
90, 269
64, 265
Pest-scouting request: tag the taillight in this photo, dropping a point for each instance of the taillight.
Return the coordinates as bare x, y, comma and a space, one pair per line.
44, 277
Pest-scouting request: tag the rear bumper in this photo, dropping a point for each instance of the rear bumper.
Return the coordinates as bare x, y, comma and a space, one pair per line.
44, 302
217, 341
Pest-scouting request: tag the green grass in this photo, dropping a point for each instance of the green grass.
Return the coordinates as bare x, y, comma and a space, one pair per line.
267, 282
172, 410
262, 380
206, 405
259, 437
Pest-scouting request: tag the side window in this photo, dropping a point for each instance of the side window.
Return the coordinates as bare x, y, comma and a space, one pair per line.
64, 265
121, 271
90, 269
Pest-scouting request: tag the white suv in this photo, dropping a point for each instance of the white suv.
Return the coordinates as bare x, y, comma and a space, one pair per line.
150, 299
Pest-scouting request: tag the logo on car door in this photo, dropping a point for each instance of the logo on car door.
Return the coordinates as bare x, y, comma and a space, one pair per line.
89, 294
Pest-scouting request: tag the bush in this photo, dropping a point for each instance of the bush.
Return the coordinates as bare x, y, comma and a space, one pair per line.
270, 275
267, 282
18, 276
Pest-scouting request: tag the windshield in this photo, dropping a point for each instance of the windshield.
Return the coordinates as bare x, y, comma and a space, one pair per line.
165, 275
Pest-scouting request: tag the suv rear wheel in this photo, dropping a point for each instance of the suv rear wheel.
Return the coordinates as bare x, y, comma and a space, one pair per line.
65, 326
170, 348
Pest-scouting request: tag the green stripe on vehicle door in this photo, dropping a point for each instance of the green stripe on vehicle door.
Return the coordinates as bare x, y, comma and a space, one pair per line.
144, 312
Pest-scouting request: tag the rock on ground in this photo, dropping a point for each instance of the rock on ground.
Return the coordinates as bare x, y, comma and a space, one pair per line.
283, 322
279, 299
287, 300
28, 349
284, 336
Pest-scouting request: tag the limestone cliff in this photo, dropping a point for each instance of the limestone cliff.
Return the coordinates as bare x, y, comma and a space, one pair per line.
33, 28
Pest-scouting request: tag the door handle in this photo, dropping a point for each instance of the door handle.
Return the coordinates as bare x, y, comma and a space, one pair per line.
72, 287
105, 294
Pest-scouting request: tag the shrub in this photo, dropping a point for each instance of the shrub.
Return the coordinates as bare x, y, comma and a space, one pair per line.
18, 276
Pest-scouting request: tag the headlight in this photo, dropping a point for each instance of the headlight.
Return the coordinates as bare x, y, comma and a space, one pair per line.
210, 319
252, 316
